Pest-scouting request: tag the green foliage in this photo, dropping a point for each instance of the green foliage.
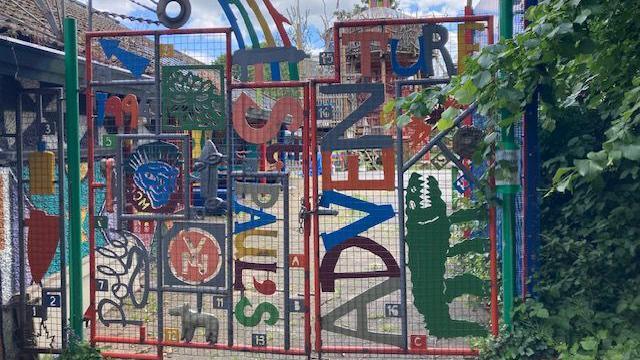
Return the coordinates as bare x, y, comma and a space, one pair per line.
580, 59
80, 351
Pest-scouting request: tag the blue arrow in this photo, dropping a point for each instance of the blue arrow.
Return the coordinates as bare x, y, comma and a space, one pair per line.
376, 214
132, 62
101, 99
258, 218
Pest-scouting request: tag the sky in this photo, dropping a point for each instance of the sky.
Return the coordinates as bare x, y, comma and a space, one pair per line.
208, 13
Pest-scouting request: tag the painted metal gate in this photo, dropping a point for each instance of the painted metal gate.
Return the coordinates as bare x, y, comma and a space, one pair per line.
200, 242
214, 192
33, 182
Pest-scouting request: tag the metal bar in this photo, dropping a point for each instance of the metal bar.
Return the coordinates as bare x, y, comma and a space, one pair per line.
101, 34
396, 350
157, 79
230, 165
451, 156
190, 290
158, 130
119, 355
144, 82
89, 15
266, 174
409, 21
530, 176
91, 180
285, 214
306, 225
268, 85
316, 223
183, 137
61, 206
201, 345
73, 150
160, 293
423, 82
186, 149
21, 243
120, 181
493, 271
401, 228
508, 215
414, 159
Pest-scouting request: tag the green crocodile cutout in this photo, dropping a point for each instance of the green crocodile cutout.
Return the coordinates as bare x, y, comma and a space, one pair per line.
428, 235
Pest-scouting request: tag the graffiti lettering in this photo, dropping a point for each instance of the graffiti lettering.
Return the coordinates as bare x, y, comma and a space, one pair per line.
376, 214
359, 304
285, 107
328, 275
256, 317
242, 250
258, 218
428, 44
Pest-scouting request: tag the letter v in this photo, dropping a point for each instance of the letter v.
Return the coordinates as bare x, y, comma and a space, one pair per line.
376, 215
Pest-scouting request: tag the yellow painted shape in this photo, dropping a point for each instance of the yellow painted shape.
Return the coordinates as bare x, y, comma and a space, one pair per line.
464, 49
171, 334
242, 251
263, 23
196, 135
42, 172
166, 50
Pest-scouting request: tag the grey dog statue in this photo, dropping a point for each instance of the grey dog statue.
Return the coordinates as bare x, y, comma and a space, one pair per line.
192, 320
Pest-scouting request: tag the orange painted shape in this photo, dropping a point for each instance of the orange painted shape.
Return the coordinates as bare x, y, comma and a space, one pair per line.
248, 132
194, 256
109, 165
283, 107
353, 181
365, 39
296, 261
420, 132
130, 107
288, 106
113, 107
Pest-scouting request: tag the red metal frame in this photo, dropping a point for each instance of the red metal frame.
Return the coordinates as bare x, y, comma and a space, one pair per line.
316, 234
310, 201
94, 338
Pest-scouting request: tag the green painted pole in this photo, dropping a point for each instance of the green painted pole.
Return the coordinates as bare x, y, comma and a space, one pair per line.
72, 91
507, 191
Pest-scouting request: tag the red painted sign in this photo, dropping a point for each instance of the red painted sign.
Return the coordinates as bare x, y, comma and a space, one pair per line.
418, 342
296, 261
194, 256
42, 242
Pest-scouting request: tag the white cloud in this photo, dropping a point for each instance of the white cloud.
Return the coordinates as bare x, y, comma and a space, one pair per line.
208, 13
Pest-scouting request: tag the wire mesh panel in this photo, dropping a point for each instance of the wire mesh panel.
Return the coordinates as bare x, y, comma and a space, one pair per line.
270, 189
39, 187
198, 247
402, 260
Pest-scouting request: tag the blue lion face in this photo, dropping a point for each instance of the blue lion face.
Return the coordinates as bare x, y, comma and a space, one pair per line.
158, 180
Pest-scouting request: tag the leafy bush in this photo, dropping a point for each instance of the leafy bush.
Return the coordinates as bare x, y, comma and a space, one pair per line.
580, 59
80, 351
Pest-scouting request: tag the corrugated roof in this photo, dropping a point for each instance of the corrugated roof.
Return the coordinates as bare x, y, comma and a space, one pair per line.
25, 20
